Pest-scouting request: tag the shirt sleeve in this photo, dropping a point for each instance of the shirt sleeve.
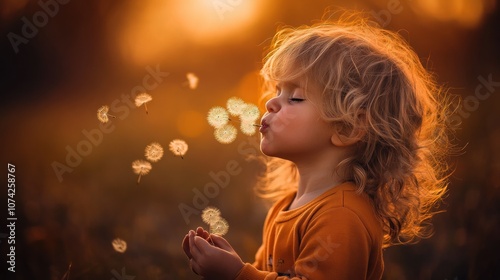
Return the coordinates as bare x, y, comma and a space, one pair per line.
259, 261
335, 246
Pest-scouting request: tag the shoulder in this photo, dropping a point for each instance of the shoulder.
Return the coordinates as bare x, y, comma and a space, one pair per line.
346, 197
279, 206
343, 208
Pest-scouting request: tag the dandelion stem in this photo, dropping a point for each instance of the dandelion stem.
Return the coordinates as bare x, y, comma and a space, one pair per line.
146, 107
111, 116
210, 240
179, 151
254, 124
139, 179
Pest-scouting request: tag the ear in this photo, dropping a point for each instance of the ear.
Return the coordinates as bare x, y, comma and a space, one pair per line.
342, 137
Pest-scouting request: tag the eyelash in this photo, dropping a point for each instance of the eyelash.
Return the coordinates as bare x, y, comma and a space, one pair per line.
296, 100
291, 100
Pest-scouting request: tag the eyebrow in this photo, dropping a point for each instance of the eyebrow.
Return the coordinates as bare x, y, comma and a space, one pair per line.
288, 84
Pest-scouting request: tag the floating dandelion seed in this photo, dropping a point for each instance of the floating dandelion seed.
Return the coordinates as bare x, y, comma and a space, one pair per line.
235, 106
119, 245
102, 114
219, 227
178, 147
153, 152
217, 117
248, 128
192, 80
143, 98
226, 134
141, 167
210, 215
250, 113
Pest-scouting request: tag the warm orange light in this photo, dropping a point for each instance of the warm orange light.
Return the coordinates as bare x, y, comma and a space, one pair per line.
211, 20
467, 13
249, 87
157, 28
191, 123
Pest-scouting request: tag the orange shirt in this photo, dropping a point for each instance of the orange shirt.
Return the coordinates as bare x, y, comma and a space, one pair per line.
335, 236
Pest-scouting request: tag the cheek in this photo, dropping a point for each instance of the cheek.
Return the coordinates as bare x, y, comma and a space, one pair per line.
287, 117
285, 122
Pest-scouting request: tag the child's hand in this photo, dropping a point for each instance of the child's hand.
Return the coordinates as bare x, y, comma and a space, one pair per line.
218, 261
199, 232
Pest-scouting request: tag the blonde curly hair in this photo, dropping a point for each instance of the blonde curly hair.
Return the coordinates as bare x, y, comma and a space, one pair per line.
370, 79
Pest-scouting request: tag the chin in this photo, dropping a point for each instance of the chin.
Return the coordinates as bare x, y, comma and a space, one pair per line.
270, 153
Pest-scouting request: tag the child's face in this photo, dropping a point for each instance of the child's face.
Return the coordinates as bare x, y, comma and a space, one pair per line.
292, 127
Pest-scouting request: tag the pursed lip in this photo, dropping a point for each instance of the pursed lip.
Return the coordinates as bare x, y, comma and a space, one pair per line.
264, 126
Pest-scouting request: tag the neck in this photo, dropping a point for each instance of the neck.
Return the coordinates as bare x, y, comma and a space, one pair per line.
317, 175
318, 178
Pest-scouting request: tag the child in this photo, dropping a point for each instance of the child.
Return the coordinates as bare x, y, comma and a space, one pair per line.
356, 132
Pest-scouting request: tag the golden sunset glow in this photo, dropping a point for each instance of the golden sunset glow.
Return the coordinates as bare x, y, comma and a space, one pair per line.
190, 123
157, 24
468, 13
131, 122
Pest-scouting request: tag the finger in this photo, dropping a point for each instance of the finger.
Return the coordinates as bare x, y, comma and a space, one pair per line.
185, 246
193, 248
221, 242
199, 230
205, 249
194, 266
202, 232
201, 244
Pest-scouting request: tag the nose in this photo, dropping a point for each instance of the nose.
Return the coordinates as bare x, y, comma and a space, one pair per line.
272, 105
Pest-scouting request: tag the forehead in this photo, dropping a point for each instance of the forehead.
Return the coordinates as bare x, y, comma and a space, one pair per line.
297, 83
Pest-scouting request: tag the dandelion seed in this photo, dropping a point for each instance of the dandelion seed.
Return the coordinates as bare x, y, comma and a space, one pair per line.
248, 128
219, 227
141, 167
217, 117
102, 114
210, 215
178, 147
143, 98
119, 245
192, 80
225, 134
153, 152
250, 113
235, 106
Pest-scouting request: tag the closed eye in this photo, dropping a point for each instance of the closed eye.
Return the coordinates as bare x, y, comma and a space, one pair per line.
296, 100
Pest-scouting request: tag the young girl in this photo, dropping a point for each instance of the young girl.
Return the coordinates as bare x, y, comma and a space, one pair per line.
356, 132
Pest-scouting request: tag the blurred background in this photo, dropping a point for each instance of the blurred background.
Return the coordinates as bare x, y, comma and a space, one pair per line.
76, 192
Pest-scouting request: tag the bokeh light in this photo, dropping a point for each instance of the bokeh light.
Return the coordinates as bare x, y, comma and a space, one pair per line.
468, 13
76, 191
